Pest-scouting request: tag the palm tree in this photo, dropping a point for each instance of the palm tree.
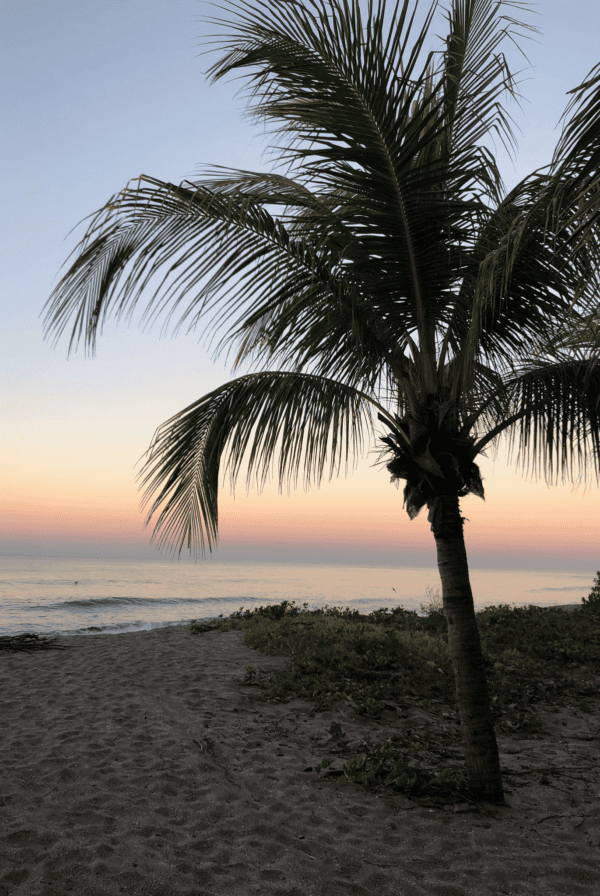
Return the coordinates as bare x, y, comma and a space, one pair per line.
382, 269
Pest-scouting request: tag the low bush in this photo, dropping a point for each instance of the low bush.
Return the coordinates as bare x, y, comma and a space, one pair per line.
591, 603
531, 654
383, 660
345, 654
381, 765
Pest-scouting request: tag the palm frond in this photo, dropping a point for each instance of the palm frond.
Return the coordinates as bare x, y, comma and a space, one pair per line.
196, 250
554, 419
370, 123
159, 229
170, 243
477, 75
576, 163
299, 418
563, 203
521, 279
578, 149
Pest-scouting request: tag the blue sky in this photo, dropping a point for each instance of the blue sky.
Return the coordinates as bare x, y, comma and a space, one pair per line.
96, 92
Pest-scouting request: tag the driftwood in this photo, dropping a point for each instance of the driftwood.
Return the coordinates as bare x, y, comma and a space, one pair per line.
28, 641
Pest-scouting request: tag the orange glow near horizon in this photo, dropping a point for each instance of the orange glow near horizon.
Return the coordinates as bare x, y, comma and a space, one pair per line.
361, 512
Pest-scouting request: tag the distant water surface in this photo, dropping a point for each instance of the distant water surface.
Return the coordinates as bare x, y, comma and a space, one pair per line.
53, 595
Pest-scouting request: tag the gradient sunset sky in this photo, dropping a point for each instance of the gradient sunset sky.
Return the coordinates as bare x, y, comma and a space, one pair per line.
97, 92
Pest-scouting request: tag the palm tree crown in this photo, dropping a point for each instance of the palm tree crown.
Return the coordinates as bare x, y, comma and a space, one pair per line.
386, 260
382, 269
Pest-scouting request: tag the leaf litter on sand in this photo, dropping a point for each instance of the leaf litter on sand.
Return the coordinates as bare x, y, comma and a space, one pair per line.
28, 641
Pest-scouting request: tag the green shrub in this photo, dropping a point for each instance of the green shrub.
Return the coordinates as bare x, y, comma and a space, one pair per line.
380, 765
343, 653
390, 658
592, 601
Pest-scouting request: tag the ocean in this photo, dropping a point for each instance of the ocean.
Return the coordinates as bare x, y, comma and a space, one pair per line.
67, 597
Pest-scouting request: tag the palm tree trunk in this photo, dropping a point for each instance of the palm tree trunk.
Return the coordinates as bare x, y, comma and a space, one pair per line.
481, 749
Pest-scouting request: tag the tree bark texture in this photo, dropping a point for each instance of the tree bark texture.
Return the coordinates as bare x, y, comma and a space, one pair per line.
481, 749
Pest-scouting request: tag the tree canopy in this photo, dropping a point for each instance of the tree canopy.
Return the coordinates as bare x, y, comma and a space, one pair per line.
381, 268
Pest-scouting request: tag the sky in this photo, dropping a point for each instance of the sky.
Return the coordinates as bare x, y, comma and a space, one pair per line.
95, 93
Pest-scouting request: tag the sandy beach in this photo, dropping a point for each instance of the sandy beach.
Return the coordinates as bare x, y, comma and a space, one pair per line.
141, 764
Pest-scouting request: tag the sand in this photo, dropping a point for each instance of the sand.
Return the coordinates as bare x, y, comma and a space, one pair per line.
139, 763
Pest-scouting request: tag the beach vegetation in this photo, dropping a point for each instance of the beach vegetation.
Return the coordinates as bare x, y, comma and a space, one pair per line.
532, 655
591, 603
380, 275
382, 766
344, 654
215, 625
377, 666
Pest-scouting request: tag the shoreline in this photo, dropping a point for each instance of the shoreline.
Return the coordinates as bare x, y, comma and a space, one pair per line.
99, 632
142, 764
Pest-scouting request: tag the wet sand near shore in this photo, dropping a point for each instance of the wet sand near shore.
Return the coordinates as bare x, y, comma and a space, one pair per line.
140, 763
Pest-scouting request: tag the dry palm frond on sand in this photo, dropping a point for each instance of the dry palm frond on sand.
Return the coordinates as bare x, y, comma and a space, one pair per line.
28, 641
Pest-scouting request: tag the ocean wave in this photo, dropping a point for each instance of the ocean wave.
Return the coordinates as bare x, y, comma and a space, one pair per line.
110, 628
91, 603
117, 628
563, 588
